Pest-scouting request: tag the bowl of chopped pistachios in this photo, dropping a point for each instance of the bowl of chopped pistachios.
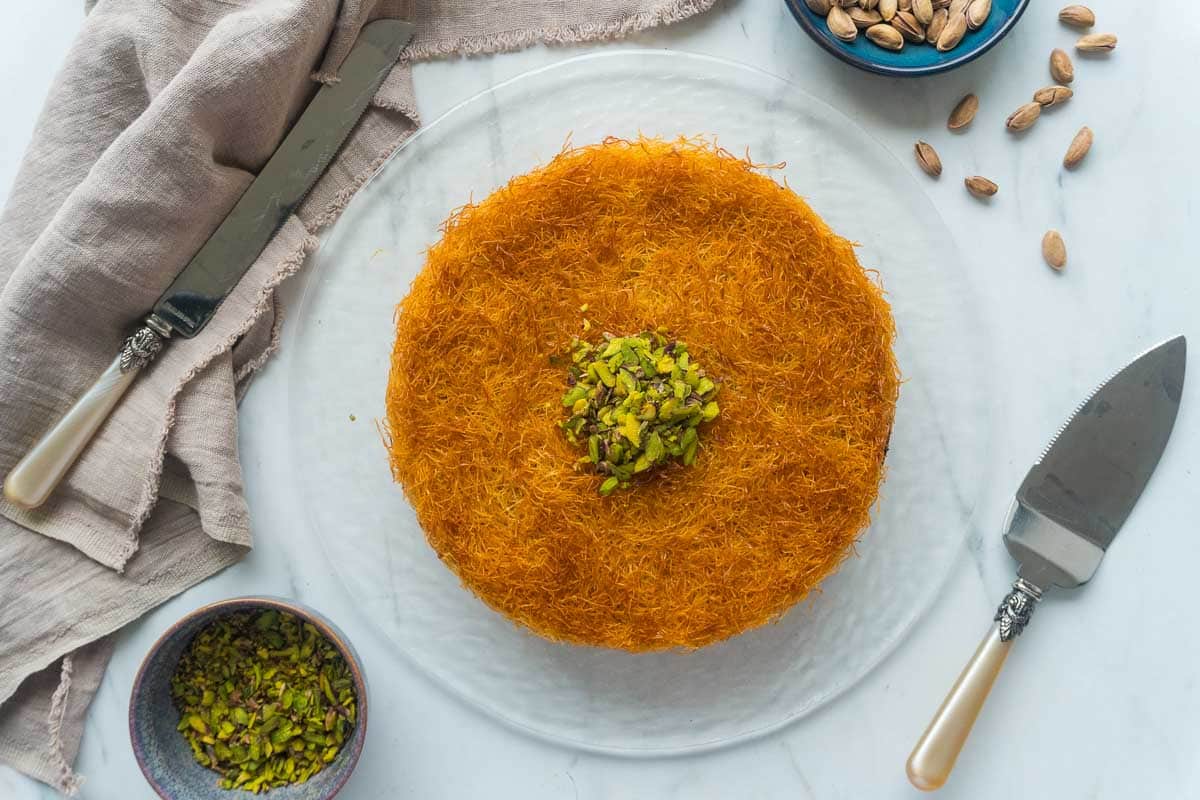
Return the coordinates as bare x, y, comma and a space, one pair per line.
251, 694
907, 38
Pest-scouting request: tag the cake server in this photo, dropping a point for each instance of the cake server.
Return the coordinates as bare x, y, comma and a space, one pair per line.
191, 300
1066, 514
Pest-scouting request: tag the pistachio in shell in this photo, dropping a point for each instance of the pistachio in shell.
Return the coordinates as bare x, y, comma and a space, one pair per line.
1079, 147
885, 36
980, 186
1054, 250
964, 111
1061, 68
927, 159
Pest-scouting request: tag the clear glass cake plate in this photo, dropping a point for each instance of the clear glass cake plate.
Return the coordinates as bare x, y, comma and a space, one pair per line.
602, 699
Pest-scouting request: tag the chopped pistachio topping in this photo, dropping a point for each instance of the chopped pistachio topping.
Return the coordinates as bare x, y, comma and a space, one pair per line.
264, 699
634, 403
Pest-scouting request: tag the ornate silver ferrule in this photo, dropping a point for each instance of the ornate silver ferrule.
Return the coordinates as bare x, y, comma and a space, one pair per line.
141, 348
1016, 609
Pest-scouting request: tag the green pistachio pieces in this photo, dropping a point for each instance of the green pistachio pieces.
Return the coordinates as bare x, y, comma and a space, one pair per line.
634, 403
264, 699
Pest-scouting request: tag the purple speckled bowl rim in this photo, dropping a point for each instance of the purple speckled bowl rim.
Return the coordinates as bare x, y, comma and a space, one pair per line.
230, 605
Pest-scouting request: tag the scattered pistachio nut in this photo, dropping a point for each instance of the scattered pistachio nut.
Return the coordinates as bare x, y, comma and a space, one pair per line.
958, 7
927, 159
977, 13
1096, 43
1052, 95
868, 5
981, 186
818, 6
888, 9
1079, 148
906, 5
840, 24
1061, 68
952, 34
963, 112
885, 36
1024, 117
264, 700
936, 25
1054, 250
634, 403
1078, 16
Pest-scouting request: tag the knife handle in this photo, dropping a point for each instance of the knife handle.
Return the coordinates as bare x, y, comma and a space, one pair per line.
37, 474
933, 758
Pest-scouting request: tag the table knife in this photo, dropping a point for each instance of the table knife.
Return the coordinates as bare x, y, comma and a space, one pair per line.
1066, 513
192, 299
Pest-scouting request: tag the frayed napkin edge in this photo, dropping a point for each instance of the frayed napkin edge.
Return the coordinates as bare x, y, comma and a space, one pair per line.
507, 41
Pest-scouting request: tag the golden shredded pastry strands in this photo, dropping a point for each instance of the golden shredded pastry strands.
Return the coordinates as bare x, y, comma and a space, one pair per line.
646, 233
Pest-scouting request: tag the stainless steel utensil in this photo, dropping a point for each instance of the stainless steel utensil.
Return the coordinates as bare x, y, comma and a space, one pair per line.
1067, 512
191, 300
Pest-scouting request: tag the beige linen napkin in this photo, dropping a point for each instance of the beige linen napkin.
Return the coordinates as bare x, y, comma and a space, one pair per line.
161, 116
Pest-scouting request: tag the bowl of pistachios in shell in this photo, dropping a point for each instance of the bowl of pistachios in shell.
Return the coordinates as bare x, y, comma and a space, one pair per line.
252, 694
907, 38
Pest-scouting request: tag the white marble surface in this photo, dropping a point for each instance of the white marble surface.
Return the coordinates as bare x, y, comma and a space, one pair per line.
1100, 697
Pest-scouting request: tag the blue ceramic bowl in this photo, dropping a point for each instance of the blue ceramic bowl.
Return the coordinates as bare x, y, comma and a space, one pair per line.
913, 60
164, 755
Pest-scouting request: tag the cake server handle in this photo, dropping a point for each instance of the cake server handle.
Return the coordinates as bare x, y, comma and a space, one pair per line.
933, 758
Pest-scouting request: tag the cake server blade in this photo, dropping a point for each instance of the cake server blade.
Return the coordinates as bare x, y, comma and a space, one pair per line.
1075, 499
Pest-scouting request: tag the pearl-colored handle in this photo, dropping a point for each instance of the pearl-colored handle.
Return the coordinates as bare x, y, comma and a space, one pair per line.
933, 758
35, 476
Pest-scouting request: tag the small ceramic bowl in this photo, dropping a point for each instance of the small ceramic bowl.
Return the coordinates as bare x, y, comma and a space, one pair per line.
914, 59
164, 755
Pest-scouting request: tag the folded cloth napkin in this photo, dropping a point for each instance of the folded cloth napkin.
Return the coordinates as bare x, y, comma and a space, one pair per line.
158, 121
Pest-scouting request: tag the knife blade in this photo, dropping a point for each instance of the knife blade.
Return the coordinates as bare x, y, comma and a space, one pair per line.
193, 297
1067, 510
